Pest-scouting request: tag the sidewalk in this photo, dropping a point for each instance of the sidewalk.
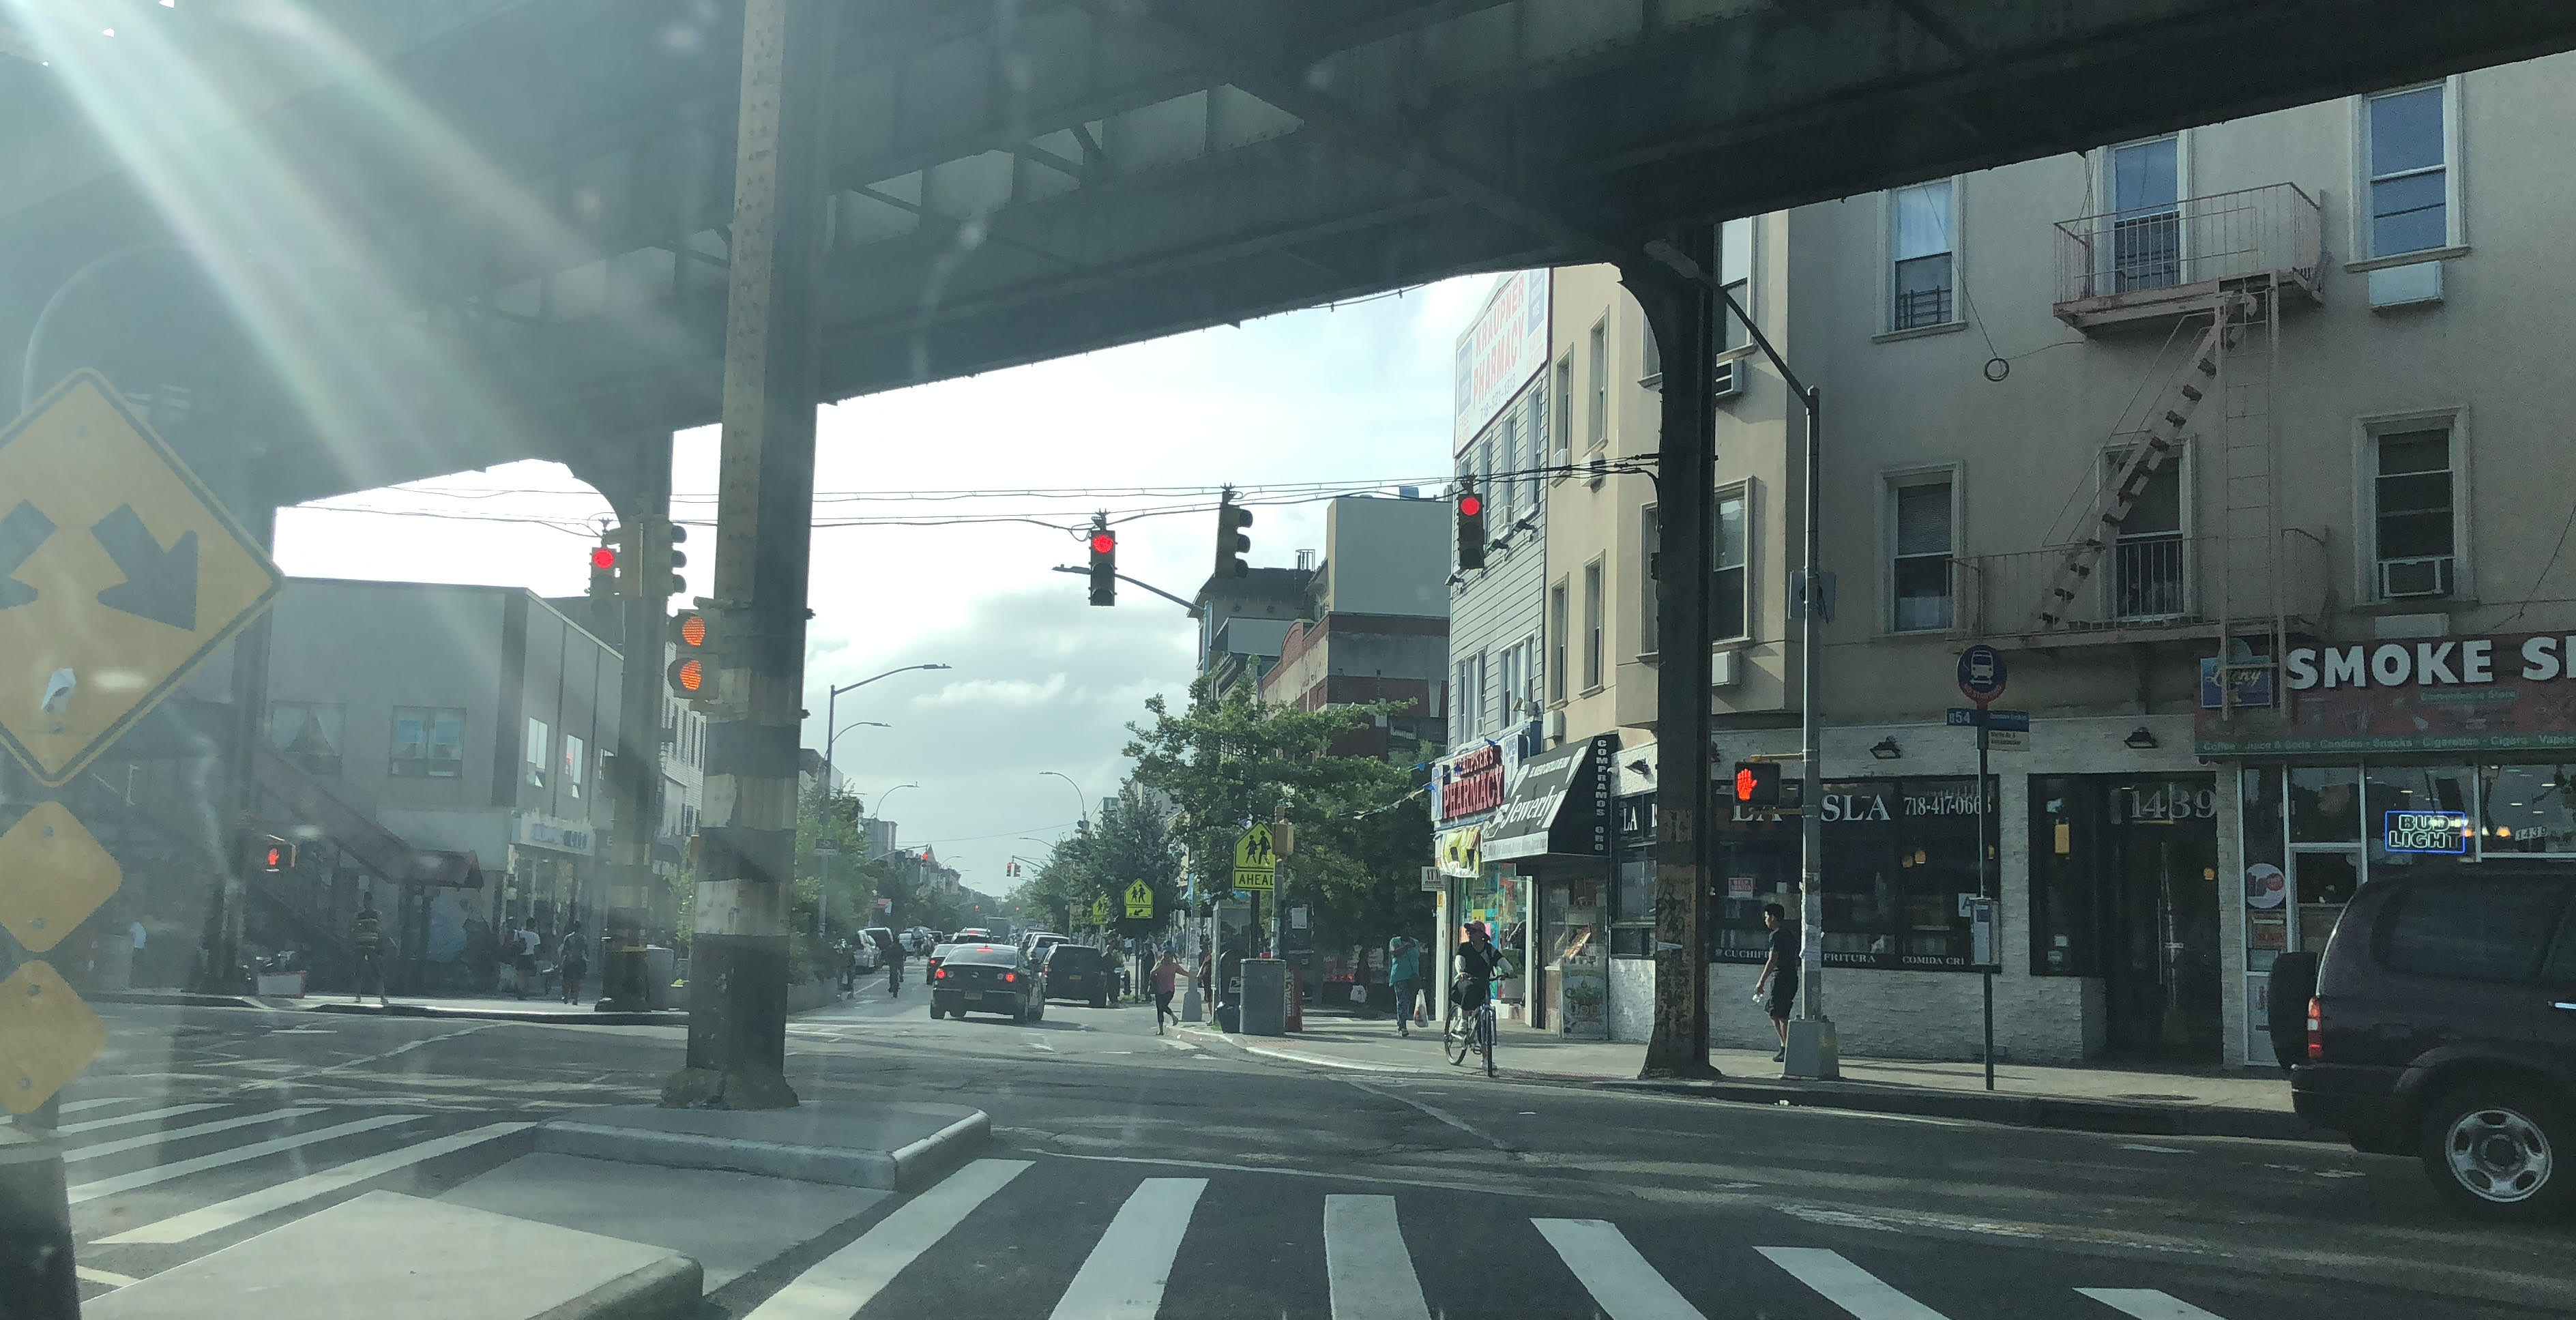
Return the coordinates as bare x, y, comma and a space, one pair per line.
499, 1008
2207, 1103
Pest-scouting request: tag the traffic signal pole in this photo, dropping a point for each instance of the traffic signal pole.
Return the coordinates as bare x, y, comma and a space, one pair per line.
764, 535
1683, 316
636, 811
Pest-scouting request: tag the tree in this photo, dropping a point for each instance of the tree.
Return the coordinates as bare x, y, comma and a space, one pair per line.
1132, 842
1362, 828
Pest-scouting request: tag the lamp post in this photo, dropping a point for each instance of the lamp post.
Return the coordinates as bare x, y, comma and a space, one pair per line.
831, 703
1081, 800
826, 851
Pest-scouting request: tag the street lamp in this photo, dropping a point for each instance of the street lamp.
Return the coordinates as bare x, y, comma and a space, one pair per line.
831, 704
1081, 800
881, 797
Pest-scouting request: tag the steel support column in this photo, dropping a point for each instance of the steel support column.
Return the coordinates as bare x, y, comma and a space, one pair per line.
1682, 314
226, 918
643, 503
739, 951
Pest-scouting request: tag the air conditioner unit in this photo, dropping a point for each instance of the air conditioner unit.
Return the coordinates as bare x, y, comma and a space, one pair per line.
2402, 578
1556, 726
1722, 669
1727, 380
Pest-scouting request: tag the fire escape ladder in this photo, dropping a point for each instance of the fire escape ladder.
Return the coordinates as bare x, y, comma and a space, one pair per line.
2192, 383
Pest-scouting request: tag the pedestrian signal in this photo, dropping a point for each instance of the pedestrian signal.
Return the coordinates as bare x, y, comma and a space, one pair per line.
1757, 783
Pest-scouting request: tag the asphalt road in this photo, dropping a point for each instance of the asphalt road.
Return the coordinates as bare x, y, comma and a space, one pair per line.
1494, 1197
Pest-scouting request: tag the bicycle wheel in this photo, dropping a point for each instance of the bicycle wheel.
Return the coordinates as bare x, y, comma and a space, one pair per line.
1454, 1039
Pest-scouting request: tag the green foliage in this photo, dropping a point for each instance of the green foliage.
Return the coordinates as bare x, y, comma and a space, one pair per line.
1131, 842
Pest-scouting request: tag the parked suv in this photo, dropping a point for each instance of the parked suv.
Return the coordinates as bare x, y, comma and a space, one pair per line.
2443, 1025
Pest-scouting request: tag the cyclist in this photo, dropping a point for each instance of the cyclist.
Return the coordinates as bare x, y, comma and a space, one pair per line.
1479, 964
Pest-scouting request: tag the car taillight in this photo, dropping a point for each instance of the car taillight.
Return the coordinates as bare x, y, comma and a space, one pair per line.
939, 971
2316, 1032
1010, 976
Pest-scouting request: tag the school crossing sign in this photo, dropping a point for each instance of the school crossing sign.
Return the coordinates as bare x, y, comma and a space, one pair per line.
1140, 901
1256, 860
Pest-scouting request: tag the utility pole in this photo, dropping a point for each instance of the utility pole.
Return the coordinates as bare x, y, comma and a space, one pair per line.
225, 924
764, 536
636, 811
1682, 313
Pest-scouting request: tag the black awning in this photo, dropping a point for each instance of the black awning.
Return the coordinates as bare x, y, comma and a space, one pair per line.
1560, 807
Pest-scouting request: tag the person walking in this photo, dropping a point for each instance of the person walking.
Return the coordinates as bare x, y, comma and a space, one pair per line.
573, 958
1404, 977
1167, 980
1779, 974
367, 942
523, 960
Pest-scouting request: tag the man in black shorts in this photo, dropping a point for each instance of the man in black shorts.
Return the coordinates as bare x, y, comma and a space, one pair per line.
1779, 975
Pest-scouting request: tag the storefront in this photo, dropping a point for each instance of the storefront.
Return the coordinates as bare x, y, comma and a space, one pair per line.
1900, 866
1469, 789
2393, 758
550, 866
1555, 832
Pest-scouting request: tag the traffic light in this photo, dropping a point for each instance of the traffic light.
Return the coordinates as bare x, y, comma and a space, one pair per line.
1231, 543
1104, 561
1757, 783
1471, 526
603, 568
669, 537
693, 671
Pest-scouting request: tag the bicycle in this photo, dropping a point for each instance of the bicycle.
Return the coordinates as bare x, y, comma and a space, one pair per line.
1475, 1031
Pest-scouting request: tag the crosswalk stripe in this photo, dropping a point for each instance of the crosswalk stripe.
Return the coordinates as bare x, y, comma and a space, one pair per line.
1370, 1272
101, 1149
835, 1287
251, 1205
1123, 1277
126, 1182
109, 1277
93, 1125
1846, 1285
84, 1106
2147, 1304
1622, 1284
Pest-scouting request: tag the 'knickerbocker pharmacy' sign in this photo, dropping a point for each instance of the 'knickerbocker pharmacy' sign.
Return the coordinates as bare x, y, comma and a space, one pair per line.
1472, 784
2497, 693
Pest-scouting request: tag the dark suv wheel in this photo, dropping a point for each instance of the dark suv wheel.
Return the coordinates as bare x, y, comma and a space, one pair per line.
2501, 1150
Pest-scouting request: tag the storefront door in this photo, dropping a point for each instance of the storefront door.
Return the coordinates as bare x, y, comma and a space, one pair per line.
2159, 873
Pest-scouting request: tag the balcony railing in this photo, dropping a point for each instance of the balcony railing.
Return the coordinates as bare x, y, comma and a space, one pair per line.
2152, 585
2132, 265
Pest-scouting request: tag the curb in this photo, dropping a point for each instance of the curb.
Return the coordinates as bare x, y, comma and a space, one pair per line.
2054, 1112
591, 1019
906, 1168
174, 999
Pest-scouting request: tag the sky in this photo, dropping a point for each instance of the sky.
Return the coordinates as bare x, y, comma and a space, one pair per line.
1356, 395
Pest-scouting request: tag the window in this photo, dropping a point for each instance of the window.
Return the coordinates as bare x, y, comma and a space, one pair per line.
1735, 268
2527, 809
1920, 251
1506, 487
1920, 573
1899, 855
1537, 446
1592, 638
1514, 687
533, 754
2147, 580
2472, 930
2146, 215
1727, 569
1596, 431
1471, 695
429, 742
1564, 451
2412, 514
1654, 377
1650, 552
307, 735
1556, 624
575, 762
2408, 157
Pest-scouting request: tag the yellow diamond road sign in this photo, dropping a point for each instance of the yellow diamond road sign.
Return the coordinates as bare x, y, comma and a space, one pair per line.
119, 574
1140, 900
47, 1035
52, 876
1255, 861
1100, 908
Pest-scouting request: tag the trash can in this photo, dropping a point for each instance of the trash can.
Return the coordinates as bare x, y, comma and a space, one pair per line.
1265, 997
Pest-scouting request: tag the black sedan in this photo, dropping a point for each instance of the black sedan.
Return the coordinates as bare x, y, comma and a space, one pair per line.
988, 978
1077, 971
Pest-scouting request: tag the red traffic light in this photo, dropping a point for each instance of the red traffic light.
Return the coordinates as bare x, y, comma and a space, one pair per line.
689, 675
1103, 542
604, 558
1470, 505
693, 630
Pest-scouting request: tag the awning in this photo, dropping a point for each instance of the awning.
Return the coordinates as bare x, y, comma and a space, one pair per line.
1559, 808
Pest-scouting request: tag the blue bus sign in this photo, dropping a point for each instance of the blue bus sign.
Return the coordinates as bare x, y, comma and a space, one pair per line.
1981, 674
2427, 831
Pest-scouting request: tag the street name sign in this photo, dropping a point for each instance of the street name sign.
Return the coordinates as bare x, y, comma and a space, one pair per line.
120, 573
2006, 730
1255, 861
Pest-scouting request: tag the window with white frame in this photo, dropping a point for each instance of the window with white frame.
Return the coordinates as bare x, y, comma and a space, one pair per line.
1922, 266
1556, 640
1919, 567
429, 742
1729, 567
576, 764
1506, 487
1512, 690
1564, 450
1538, 445
1596, 428
2147, 578
1735, 271
2146, 215
533, 754
2407, 153
1593, 640
2414, 525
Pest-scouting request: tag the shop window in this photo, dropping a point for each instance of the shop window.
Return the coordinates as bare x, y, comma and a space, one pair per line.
1900, 858
2388, 788
2527, 809
1632, 911
2065, 918
307, 734
2472, 930
2325, 804
2266, 877
429, 742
